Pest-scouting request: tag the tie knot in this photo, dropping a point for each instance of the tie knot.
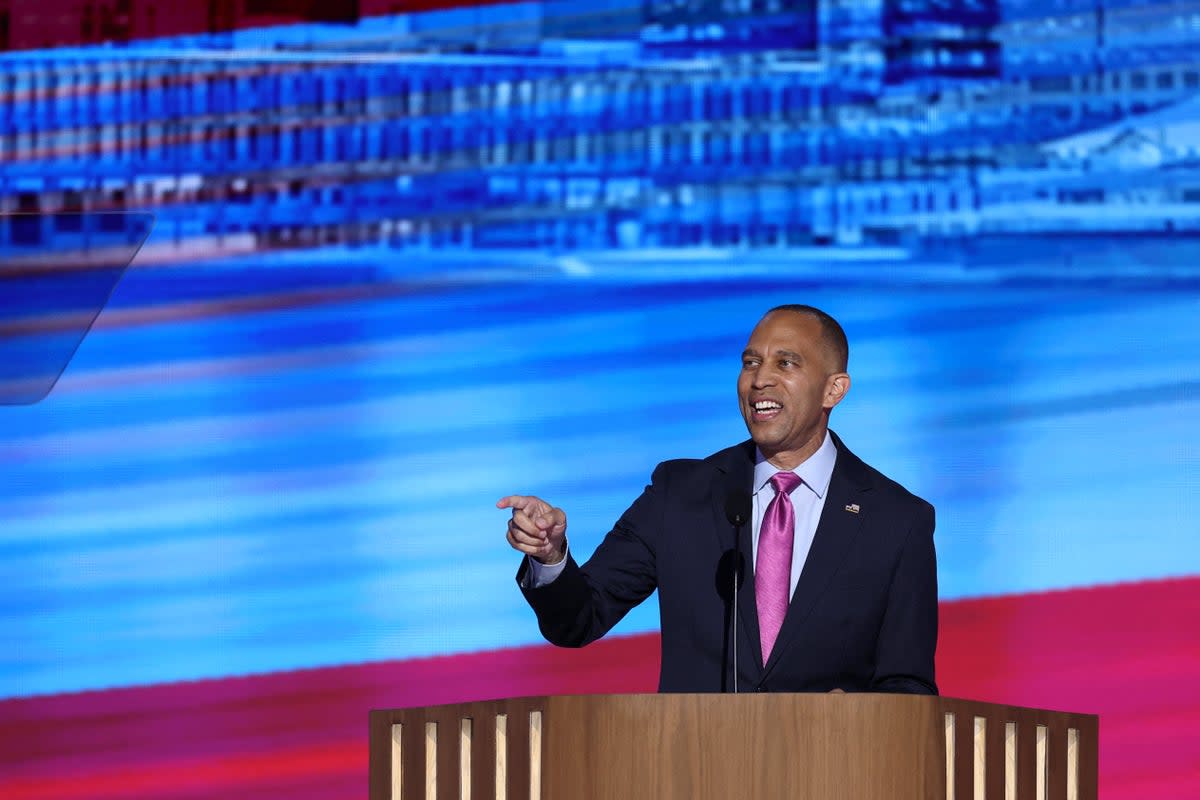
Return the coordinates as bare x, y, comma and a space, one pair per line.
784, 482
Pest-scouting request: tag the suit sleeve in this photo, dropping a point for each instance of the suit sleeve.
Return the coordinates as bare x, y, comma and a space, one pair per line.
585, 602
904, 658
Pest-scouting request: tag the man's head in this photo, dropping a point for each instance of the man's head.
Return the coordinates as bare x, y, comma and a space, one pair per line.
793, 374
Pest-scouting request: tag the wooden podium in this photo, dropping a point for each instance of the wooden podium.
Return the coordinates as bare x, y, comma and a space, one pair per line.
691, 746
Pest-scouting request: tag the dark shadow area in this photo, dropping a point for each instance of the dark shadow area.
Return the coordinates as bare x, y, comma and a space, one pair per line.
57, 271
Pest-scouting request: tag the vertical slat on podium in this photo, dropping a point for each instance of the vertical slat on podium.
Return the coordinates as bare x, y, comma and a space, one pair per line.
381, 754
413, 755
483, 756
948, 726
1010, 760
964, 755
447, 754
1056, 751
501, 765
466, 752
396, 789
1026, 758
535, 755
995, 757
1089, 757
518, 752
1075, 747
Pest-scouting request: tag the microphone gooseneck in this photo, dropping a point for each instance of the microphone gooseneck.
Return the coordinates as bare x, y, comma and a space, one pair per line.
737, 511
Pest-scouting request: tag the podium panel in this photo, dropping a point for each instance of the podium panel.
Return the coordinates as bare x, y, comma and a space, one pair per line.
684, 747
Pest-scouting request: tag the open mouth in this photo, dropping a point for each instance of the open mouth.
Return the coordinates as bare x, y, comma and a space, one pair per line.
765, 409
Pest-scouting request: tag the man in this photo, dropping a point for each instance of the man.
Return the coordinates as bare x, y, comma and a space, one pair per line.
843, 589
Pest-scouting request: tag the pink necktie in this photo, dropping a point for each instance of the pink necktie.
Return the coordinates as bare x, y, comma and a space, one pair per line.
773, 568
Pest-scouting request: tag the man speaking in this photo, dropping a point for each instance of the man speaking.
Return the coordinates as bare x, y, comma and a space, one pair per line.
841, 589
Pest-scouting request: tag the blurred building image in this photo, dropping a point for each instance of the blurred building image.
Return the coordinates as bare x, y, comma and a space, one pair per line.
666, 125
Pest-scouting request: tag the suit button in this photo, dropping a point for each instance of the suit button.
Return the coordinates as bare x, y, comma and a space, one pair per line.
763, 688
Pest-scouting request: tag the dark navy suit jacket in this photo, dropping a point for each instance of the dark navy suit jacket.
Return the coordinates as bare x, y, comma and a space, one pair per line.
863, 616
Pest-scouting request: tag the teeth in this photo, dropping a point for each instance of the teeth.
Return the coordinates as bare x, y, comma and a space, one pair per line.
766, 405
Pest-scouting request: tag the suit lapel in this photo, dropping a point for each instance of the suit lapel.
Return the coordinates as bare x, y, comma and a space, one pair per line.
737, 473
834, 538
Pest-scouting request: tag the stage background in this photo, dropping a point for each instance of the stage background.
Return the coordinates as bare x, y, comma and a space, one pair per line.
416, 257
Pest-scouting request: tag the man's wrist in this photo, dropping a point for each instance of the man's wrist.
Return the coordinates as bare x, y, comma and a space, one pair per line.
559, 556
544, 574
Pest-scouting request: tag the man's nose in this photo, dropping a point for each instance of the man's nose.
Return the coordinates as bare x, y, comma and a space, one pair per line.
763, 376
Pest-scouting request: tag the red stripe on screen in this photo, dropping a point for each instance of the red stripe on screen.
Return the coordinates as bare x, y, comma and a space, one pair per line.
1129, 653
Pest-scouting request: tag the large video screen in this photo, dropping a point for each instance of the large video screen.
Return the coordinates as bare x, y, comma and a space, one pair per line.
407, 262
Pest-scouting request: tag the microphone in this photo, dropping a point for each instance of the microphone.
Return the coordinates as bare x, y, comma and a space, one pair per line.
732, 567
737, 507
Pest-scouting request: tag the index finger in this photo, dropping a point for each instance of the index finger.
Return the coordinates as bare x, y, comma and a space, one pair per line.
520, 502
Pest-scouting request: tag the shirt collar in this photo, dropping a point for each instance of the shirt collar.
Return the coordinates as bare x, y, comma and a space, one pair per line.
816, 471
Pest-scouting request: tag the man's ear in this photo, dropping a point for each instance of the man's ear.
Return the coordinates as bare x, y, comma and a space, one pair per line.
836, 387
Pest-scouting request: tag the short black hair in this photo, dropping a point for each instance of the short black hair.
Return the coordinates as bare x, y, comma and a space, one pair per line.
831, 332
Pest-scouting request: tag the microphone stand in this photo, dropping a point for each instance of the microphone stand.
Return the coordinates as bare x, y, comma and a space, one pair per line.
737, 511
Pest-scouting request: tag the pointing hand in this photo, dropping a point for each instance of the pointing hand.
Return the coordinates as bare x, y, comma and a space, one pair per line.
537, 528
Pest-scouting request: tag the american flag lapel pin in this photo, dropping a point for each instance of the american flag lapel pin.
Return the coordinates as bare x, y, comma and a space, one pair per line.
853, 508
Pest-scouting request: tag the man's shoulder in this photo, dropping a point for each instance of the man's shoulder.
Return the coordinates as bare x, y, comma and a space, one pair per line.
869, 477
730, 458
693, 477
895, 489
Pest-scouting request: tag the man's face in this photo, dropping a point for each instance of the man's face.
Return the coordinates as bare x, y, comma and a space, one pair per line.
787, 385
